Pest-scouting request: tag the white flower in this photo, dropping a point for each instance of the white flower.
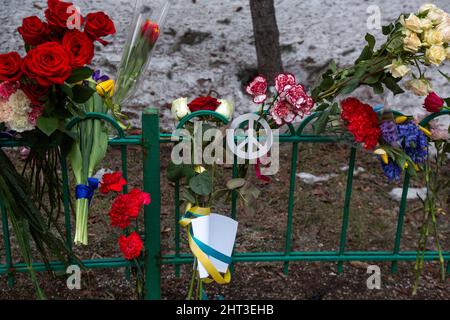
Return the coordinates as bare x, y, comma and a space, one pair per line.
411, 42
436, 55
226, 108
6, 111
180, 108
412, 23
398, 69
100, 173
426, 24
435, 14
419, 87
433, 37
444, 29
21, 107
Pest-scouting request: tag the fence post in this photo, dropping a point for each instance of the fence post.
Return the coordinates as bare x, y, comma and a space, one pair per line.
152, 222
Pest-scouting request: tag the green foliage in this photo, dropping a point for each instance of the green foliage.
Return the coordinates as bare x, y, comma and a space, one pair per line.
47, 125
79, 74
201, 184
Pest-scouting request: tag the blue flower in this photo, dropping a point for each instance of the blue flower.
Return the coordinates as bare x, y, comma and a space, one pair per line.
98, 77
392, 171
389, 132
414, 142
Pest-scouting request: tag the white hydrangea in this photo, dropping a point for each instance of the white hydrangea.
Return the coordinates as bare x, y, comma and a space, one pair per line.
21, 106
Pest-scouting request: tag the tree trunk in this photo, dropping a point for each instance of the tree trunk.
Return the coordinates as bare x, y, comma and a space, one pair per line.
267, 36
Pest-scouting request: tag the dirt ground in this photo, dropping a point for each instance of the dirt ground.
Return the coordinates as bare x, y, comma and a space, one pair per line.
317, 223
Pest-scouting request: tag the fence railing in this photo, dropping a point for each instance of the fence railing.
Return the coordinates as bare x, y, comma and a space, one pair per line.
150, 141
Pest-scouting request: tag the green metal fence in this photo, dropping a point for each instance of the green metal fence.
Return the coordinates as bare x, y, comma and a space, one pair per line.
150, 141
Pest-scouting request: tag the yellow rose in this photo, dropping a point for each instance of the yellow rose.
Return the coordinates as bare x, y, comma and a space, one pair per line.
436, 55
433, 37
419, 87
448, 53
427, 7
411, 42
412, 23
435, 14
398, 69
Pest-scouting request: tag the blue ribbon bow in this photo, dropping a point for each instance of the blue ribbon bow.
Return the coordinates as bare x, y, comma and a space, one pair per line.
86, 191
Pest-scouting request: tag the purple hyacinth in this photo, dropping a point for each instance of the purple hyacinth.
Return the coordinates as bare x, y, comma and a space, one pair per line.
414, 142
390, 133
392, 171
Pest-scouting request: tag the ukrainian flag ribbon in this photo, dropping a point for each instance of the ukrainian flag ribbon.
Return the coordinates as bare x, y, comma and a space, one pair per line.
201, 250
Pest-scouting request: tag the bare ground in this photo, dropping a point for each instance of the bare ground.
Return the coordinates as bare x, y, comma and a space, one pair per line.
317, 223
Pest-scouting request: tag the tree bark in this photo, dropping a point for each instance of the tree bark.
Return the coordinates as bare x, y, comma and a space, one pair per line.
267, 38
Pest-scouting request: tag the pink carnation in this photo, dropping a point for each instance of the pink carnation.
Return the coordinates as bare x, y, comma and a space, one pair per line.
258, 89
298, 97
7, 88
284, 81
282, 112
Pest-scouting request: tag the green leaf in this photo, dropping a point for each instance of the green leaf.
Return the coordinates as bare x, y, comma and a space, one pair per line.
326, 83
377, 88
82, 93
350, 87
79, 75
367, 53
188, 196
47, 125
391, 84
201, 184
67, 90
447, 102
320, 124
174, 172
388, 29
235, 183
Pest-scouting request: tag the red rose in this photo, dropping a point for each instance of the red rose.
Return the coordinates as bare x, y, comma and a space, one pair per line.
48, 64
131, 246
112, 182
10, 66
204, 103
58, 14
150, 30
99, 25
433, 103
35, 92
81, 46
34, 31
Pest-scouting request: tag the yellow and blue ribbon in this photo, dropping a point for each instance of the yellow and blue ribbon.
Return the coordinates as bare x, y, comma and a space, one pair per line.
203, 251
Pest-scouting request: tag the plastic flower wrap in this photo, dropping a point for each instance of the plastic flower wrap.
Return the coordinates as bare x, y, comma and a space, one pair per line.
145, 31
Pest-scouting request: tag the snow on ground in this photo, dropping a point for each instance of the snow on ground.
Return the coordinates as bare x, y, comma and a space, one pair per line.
413, 193
309, 178
205, 45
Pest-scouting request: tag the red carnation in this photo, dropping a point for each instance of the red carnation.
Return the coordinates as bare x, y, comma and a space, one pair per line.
258, 89
118, 212
112, 182
131, 246
204, 103
10, 66
34, 31
99, 25
362, 122
48, 64
136, 200
60, 14
81, 47
433, 103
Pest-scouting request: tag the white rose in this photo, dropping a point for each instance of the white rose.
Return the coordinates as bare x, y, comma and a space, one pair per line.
180, 108
226, 108
433, 37
412, 23
427, 7
412, 42
420, 87
426, 24
436, 55
398, 69
436, 15
444, 28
